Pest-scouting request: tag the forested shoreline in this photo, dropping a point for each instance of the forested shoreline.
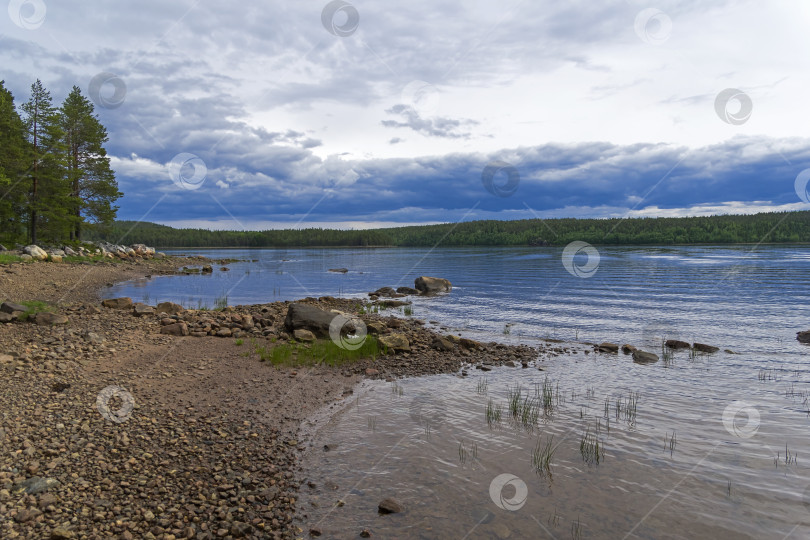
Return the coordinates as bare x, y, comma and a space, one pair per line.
55, 175
776, 227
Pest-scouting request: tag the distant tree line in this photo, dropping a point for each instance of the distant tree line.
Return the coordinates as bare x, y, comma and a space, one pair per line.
777, 227
55, 176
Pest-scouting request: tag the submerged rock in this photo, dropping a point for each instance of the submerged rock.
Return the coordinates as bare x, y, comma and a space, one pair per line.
389, 506
676, 344
608, 347
643, 357
702, 347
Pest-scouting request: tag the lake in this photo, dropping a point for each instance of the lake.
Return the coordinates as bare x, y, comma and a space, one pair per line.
694, 446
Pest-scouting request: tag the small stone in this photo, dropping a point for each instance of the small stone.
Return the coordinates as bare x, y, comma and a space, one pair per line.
302, 334
389, 506
61, 533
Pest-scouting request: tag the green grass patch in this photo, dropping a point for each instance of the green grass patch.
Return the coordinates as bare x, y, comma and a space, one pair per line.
8, 258
320, 352
32, 307
239, 342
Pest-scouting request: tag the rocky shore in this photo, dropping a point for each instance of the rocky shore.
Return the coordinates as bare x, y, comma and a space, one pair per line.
132, 421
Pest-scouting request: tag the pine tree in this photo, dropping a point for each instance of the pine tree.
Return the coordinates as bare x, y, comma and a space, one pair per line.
93, 188
14, 150
48, 198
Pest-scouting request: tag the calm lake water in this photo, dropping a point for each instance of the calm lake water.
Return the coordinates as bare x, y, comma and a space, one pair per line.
738, 466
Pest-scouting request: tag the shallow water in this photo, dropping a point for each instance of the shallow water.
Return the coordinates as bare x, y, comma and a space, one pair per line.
721, 480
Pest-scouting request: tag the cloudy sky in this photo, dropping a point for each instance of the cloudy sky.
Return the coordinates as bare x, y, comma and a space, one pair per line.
278, 114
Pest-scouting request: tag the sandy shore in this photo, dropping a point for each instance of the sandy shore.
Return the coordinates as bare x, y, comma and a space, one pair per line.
211, 445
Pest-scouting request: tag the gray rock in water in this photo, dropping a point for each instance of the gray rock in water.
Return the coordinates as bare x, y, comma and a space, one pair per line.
803, 337
432, 285
389, 506
35, 485
407, 290
677, 344
339, 270
643, 357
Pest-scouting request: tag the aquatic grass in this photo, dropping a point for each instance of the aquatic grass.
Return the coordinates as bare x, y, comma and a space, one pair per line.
372, 423
542, 454
483, 384
591, 449
221, 302
397, 389
789, 459
627, 408
494, 413
576, 529
326, 352
407, 311
670, 442
523, 408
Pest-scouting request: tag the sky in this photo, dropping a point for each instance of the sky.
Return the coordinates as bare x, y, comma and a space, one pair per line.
257, 115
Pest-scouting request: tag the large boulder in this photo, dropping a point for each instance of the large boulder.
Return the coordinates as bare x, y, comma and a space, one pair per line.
169, 308
117, 303
175, 329
140, 309
307, 317
432, 285
36, 252
643, 357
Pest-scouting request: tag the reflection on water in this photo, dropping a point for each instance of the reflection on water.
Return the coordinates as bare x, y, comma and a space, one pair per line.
678, 464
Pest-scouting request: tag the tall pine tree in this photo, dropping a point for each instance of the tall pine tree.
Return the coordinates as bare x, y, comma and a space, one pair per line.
93, 188
14, 156
48, 204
